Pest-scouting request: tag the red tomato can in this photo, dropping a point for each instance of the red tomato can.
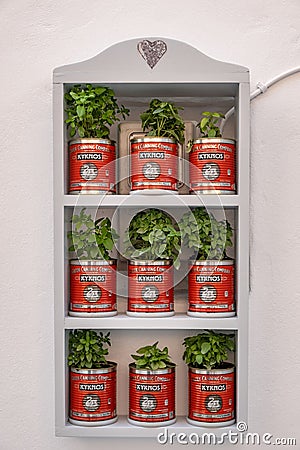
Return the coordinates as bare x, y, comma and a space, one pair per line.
150, 288
151, 396
93, 396
93, 288
211, 289
92, 166
212, 396
154, 164
212, 166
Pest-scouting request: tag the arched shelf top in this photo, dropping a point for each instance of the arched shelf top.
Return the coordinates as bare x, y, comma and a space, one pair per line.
124, 63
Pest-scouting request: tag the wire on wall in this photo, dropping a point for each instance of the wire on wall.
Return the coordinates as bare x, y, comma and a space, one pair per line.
261, 88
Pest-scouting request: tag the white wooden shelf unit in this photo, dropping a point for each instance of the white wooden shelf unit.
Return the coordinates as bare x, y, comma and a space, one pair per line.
191, 79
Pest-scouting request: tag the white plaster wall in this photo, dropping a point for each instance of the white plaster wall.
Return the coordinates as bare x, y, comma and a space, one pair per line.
37, 36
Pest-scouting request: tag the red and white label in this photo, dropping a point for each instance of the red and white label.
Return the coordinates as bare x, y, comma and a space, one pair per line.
211, 397
152, 397
212, 167
154, 165
92, 396
211, 288
93, 288
150, 288
92, 167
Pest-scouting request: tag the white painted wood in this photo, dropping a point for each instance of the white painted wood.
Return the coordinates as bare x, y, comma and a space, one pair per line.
59, 256
122, 428
122, 63
153, 199
179, 321
243, 118
196, 79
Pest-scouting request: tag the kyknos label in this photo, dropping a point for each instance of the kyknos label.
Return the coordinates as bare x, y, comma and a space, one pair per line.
202, 156
213, 387
92, 278
210, 278
150, 278
151, 155
148, 387
92, 387
89, 156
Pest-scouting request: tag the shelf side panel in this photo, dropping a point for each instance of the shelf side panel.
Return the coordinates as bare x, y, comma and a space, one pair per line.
59, 282
243, 117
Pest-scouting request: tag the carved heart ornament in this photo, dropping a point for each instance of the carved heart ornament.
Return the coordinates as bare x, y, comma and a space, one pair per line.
152, 52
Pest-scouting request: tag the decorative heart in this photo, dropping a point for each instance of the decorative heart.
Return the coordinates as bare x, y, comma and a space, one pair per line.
152, 52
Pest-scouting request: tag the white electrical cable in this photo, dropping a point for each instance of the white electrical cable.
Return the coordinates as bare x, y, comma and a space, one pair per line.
261, 88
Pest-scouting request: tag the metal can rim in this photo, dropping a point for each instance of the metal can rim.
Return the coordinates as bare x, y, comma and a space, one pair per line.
149, 262
169, 369
92, 141
214, 141
213, 262
229, 369
93, 262
110, 367
153, 139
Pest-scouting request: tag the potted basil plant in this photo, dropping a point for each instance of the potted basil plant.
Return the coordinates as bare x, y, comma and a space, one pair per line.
92, 379
90, 112
152, 387
211, 275
154, 158
152, 245
211, 379
93, 272
212, 158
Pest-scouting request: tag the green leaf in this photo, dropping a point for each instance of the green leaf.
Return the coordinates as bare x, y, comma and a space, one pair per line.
161, 365
100, 90
199, 359
73, 95
94, 252
80, 111
143, 350
159, 239
81, 131
205, 347
212, 133
162, 119
92, 109
162, 248
108, 243
84, 355
219, 115
209, 124
204, 122
152, 357
176, 263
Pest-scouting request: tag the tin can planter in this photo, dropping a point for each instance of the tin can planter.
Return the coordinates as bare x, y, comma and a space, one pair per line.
93, 288
92, 166
152, 396
150, 288
212, 396
154, 164
93, 396
212, 166
211, 289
